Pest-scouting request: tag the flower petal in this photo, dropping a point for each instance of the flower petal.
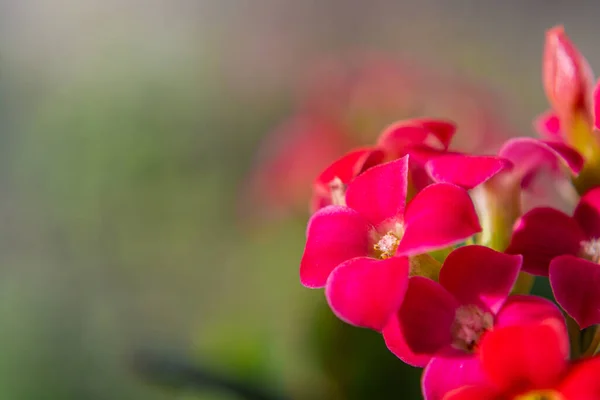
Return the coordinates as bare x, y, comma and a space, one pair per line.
596, 101
423, 324
529, 155
582, 382
531, 310
567, 75
334, 234
587, 213
449, 370
473, 393
575, 284
523, 356
403, 134
439, 216
366, 292
345, 169
542, 234
479, 275
379, 194
464, 170
548, 125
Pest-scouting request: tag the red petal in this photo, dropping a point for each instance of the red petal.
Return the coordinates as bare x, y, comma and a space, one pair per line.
575, 283
587, 213
473, 393
548, 126
529, 155
523, 356
439, 216
345, 169
450, 370
366, 292
596, 100
400, 135
464, 170
479, 275
531, 310
423, 324
582, 381
566, 73
334, 234
542, 234
379, 194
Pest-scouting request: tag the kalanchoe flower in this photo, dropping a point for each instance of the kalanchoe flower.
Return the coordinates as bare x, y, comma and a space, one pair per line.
545, 233
359, 251
530, 362
441, 324
330, 186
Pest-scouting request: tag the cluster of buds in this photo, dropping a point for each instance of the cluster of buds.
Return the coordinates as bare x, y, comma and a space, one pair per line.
431, 247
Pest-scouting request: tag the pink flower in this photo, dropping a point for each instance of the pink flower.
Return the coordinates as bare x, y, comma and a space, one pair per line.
527, 362
568, 250
360, 251
545, 233
440, 325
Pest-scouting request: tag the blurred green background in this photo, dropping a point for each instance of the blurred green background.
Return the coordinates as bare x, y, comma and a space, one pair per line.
128, 130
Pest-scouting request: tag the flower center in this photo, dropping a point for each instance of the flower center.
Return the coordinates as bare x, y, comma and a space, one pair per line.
387, 245
590, 250
540, 395
337, 188
470, 323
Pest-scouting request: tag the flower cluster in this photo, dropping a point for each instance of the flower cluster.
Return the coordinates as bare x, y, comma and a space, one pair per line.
432, 248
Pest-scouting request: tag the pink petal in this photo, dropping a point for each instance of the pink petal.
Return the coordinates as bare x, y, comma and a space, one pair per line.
443, 130
522, 356
473, 393
464, 170
422, 326
567, 75
334, 234
531, 310
587, 213
479, 275
596, 101
348, 166
366, 292
439, 216
582, 381
379, 194
548, 126
345, 169
576, 283
529, 155
542, 234
449, 370
400, 135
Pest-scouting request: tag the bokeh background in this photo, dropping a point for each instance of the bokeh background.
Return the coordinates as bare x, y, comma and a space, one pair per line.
133, 264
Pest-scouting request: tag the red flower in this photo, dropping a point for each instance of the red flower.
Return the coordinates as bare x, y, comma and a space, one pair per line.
359, 251
545, 233
441, 324
529, 362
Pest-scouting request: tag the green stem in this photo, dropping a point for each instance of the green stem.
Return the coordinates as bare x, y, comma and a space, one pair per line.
574, 335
